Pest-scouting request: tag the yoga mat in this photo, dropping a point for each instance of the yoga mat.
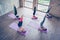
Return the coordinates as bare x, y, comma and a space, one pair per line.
12, 16
14, 26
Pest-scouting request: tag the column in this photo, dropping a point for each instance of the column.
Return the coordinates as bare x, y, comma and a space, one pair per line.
35, 3
55, 10
21, 3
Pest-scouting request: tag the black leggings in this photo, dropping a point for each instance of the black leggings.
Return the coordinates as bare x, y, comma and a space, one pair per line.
41, 24
20, 24
34, 11
15, 11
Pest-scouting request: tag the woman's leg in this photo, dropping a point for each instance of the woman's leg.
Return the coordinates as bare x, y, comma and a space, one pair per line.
15, 11
34, 13
41, 25
47, 13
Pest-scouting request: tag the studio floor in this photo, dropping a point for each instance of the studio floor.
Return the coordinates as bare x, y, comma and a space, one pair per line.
8, 32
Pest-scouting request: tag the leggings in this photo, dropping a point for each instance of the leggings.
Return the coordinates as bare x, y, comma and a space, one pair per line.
41, 24
20, 24
34, 11
15, 11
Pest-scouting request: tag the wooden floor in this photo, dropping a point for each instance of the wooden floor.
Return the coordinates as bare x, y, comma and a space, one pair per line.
52, 25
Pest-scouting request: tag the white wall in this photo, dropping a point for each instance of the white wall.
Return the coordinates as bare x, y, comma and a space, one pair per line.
7, 6
55, 4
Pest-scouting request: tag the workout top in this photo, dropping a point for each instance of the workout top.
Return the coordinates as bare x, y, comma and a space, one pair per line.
21, 19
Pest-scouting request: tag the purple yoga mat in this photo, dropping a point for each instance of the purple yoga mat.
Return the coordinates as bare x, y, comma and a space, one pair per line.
14, 26
12, 16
